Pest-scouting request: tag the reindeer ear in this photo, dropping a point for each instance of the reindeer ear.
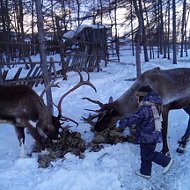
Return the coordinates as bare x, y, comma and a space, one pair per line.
110, 99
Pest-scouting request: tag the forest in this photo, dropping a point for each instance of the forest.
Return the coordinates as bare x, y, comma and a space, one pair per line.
99, 30
24, 25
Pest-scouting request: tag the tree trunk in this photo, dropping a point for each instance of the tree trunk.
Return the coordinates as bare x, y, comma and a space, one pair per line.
132, 31
43, 57
161, 27
143, 33
53, 19
186, 52
168, 40
61, 49
174, 32
116, 33
78, 12
138, 37
183, 35
101, 12
149, 33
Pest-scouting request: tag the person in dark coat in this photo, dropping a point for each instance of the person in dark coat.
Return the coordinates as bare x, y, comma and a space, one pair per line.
147, 119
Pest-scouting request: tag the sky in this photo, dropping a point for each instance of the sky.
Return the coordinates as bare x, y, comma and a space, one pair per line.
114, 166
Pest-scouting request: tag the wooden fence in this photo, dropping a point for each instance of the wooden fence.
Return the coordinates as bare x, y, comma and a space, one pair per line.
32, 76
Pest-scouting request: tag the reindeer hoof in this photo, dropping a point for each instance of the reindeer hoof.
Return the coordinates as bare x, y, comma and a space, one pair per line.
166, 153
28, 155
180, 150
44, 152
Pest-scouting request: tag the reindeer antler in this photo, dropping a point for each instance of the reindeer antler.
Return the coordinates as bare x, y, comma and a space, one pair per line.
94, 116
80, 83
51, 84
90, 118
94, 101
100, 112
64, 118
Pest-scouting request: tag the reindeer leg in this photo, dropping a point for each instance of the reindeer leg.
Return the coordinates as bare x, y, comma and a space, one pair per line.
33, 131
183, 141
21, 138
20, 134
165, 149
35, 135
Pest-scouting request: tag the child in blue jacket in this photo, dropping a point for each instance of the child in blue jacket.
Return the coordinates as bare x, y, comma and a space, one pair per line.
147, 119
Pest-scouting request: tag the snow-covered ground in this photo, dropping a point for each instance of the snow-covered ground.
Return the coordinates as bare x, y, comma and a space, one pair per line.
114, 166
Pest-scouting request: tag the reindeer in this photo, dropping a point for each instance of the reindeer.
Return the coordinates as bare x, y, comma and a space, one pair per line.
172, 85
22, 107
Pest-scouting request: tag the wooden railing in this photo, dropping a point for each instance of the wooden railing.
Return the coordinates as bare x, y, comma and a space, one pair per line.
18, 74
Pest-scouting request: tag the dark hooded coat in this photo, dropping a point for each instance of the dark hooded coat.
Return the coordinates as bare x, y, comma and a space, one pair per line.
143, 118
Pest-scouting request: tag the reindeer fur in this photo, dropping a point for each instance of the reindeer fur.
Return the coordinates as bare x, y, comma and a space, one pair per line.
172, 85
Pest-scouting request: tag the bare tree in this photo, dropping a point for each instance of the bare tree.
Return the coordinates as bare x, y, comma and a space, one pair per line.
61, 48
144, 40
116, 30
101, 11
6, 29
138, 38
183, 30
53, 18
174, 32
132, 30
161, 26
186, 52
78, 11
168, 36
149, 32
43, 53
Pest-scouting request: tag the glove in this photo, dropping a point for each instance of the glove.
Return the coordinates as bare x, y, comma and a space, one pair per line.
120, 124
117, 124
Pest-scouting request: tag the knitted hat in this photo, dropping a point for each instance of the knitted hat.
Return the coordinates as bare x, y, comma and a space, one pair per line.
143, 91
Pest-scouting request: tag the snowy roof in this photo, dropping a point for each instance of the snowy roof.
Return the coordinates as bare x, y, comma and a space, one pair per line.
70, 34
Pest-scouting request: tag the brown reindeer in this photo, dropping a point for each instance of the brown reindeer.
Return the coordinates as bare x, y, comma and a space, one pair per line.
172, 85
23, 108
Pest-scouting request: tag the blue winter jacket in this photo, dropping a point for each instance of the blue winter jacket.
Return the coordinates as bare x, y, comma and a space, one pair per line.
144, 120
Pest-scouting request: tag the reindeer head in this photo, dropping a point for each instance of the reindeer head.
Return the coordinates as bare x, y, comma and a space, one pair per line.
49, 130
110, 113
107, 115
107, 120
58, 120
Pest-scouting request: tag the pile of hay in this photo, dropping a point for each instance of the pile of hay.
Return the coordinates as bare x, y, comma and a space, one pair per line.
73, 143
67, 142
110, 136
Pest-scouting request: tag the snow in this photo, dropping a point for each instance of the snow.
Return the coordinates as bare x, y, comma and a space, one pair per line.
114, 166
70, 34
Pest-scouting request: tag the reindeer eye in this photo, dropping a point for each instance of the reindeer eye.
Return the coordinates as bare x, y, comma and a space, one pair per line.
113, 112
46, 130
